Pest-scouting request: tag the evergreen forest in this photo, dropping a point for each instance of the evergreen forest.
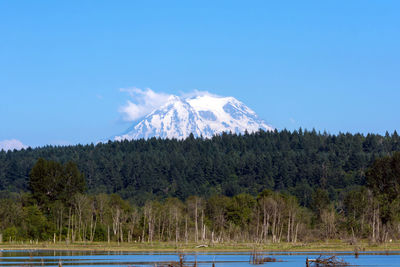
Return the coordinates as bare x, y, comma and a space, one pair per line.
261, 187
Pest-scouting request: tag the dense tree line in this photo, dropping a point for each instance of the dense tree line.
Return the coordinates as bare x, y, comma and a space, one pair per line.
262, 187
57, 209
296, 163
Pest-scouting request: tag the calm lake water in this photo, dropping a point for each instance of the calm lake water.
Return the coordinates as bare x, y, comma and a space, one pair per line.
88, 258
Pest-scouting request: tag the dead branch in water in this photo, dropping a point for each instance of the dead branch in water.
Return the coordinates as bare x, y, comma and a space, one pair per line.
322, 261
257, 258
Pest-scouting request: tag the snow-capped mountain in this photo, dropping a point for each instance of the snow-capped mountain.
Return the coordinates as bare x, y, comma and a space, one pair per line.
204, 115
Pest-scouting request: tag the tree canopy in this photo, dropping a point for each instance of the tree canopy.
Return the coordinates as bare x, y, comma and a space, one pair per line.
264, 187
296, 162
50, 181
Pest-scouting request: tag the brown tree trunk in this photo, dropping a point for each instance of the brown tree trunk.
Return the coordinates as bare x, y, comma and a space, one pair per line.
196, 235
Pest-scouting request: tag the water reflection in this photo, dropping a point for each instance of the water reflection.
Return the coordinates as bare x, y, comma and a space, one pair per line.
112, 258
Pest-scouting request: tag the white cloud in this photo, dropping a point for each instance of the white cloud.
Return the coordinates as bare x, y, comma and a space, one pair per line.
143, 102
196, 92
11, 145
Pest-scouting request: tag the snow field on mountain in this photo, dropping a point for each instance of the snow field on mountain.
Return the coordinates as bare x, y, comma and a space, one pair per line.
204, 115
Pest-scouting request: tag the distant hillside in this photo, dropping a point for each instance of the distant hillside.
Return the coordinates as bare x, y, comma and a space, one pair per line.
297, 162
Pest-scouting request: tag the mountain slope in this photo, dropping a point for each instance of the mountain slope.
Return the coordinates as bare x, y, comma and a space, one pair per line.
204, 115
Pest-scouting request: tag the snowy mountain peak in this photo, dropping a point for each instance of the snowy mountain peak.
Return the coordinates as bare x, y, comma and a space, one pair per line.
173, 98
204, 115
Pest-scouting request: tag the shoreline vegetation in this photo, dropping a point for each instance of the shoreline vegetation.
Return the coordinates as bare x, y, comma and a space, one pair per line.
327, 246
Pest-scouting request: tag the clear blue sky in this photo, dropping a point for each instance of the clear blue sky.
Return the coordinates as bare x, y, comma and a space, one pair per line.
328, 65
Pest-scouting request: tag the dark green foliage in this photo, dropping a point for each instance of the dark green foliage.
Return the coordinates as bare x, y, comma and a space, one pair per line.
383, 177
50, 181
100, 233
10, 233
45, 181
297, 162
240, 209
356, 203
10, 212
35, 224
267, 186
320, 200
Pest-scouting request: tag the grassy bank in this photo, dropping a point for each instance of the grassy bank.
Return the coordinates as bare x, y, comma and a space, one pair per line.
333, 245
